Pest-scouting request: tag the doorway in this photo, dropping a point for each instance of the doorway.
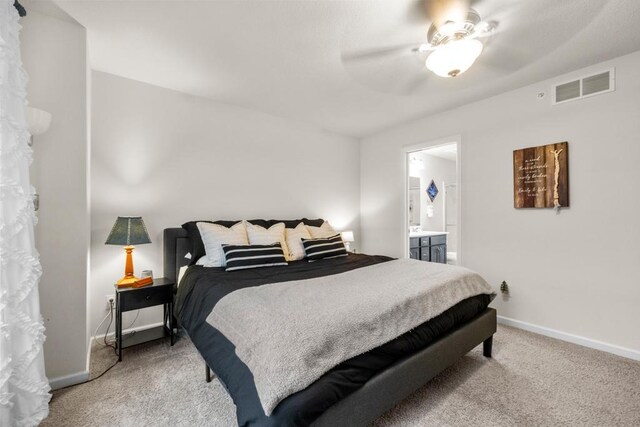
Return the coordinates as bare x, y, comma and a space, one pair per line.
432, 203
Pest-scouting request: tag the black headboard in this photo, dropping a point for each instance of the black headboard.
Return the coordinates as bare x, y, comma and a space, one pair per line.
176, 246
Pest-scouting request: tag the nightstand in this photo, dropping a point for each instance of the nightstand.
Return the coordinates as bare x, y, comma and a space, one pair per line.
127, 299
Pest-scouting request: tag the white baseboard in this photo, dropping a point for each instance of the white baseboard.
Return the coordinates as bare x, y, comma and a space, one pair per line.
575, 339
67, 380
80, 377
126, 331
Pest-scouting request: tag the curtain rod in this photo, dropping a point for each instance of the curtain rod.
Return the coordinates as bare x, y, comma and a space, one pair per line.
21, 10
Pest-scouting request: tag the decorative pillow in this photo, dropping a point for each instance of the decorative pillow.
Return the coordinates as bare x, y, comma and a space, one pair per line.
322, 232
197, 246
331, 247
204, 261
242, 257
294, 238
259, 235
214, 236
288, 223
181, 272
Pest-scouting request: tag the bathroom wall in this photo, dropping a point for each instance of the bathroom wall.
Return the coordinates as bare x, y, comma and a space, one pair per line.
415, 204
439, 170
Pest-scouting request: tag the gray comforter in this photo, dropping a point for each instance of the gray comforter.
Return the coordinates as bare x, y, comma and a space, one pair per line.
289, 334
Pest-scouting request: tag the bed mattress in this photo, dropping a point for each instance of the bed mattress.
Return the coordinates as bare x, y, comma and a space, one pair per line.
201, 288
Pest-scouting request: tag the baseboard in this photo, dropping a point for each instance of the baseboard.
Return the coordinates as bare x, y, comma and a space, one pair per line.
81, 377
126, 331
575, 339
67, 380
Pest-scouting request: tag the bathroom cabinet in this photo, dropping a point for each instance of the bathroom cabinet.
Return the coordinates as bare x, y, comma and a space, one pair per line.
431, 248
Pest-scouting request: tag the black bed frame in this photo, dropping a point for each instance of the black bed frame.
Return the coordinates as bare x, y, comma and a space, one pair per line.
389, 386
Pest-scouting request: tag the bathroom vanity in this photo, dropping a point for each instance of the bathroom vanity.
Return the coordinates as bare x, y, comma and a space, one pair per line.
428, 246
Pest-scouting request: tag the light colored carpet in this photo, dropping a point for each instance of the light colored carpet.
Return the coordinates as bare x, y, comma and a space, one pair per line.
531, 381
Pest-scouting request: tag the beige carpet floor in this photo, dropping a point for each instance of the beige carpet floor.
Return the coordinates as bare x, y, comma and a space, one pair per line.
531, 381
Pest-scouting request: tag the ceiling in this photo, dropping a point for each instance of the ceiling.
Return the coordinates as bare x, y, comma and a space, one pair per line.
295, 59
447, 152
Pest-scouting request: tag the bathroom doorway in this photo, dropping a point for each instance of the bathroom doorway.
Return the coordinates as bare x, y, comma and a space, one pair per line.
432, 208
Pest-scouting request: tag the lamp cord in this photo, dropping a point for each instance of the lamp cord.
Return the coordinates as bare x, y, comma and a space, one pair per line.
95, 334
106, 344
88, 381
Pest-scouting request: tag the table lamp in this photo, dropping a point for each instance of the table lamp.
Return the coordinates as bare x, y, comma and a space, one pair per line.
128, 231
347, 238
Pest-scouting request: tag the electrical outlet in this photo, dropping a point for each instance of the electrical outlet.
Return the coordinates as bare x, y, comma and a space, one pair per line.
109, 301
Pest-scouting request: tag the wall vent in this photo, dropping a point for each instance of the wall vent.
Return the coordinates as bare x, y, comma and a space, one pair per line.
584, 87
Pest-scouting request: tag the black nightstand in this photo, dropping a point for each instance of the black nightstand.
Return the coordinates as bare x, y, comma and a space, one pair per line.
127, 299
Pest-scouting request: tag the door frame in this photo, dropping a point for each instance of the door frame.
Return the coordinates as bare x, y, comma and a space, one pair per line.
406, 151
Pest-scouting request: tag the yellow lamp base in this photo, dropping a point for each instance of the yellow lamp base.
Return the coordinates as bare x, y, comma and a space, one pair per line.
127, 281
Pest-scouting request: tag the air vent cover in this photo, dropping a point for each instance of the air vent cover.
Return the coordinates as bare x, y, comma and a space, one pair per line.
595, 84
568, 91
587, 86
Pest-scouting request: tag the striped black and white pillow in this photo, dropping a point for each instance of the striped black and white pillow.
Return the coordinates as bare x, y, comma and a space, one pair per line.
329, 247
242, 257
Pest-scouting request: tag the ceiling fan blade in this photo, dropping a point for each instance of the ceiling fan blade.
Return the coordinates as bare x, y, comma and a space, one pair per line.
377, 53
416, 84
507, 50
400, 74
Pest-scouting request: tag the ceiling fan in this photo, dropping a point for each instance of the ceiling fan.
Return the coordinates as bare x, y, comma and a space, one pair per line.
454, 45
452, 33
396, 47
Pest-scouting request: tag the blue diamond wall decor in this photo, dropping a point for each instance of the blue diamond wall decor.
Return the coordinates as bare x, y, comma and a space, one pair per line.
432, 191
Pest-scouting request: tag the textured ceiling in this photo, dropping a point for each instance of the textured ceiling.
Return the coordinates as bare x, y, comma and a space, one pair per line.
304, 59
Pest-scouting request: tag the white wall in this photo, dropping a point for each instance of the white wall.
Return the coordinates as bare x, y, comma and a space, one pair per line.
438, 170
54, 55
172, 158
577, 271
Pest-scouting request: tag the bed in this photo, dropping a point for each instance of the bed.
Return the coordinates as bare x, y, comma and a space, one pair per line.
355, 392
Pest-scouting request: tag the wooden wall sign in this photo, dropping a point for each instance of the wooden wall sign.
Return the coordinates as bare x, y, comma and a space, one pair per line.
541, 176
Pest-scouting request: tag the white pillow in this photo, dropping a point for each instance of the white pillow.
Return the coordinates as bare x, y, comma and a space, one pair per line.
294, 238
181, 272
204, 261
322, 232
214, 236
259, 235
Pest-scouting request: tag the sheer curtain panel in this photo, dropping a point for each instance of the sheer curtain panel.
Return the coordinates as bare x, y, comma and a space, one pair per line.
24, 389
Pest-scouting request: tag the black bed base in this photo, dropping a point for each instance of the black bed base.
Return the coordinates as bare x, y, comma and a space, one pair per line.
397, 382
404, 377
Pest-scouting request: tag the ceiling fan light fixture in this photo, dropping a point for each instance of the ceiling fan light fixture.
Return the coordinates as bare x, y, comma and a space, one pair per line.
454, 58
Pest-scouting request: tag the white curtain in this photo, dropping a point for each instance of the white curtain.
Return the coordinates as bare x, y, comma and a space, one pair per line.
24, 389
